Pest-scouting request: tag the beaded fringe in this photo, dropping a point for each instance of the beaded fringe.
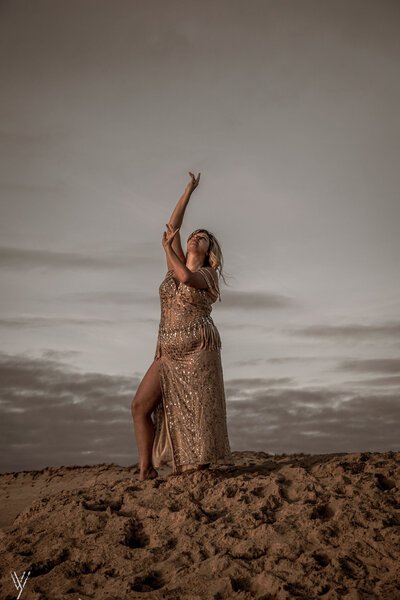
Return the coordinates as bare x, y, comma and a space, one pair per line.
210, 282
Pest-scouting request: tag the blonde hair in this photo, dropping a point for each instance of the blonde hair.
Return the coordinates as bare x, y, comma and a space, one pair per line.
214, 257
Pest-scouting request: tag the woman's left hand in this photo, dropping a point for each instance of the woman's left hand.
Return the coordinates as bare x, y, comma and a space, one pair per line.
169, 236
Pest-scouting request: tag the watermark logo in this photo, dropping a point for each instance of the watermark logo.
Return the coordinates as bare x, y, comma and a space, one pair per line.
20, 583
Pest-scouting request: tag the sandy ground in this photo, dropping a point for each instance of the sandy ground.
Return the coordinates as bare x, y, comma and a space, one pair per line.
271, 527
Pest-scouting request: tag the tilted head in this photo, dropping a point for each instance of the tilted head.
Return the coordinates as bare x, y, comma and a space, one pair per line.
203, 242
199, 242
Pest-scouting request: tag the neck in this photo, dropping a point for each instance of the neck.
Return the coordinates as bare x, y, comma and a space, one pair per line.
194, 262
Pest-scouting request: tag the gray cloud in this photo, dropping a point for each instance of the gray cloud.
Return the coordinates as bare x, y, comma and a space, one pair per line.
256, 300
231, 300
40, 321
137, 257
113, 297
314, 421
247, 385
248, 362
375, 382
371, 365
280, 359
37, 321
54, 415
351, 331
24, 258
57, 354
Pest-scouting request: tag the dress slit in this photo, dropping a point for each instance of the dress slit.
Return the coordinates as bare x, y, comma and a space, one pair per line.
165, 420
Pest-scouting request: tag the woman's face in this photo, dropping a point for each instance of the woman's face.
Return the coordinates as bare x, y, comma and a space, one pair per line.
198, 242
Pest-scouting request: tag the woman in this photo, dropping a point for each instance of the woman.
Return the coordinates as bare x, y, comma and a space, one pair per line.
184, 386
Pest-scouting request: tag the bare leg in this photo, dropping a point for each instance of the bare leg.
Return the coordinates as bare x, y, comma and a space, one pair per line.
147, 396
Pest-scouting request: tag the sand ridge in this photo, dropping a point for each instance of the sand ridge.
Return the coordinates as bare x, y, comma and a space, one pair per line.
270, 527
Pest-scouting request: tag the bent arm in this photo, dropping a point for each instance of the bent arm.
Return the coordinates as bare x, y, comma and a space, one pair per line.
178, 265
197, 279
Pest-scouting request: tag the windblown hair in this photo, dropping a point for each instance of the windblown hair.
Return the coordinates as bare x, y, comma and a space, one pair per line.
214, 257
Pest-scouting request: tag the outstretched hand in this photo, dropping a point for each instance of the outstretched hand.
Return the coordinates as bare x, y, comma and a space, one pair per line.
169, 236
192, 185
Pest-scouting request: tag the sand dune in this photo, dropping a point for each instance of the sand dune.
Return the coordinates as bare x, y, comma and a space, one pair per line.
269, 527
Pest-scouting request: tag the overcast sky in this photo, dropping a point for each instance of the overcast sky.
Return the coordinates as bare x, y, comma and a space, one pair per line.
290, 111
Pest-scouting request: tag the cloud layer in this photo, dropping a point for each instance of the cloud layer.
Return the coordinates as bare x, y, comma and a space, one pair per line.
53, 414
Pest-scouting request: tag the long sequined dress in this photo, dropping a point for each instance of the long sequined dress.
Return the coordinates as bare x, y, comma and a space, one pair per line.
190, 421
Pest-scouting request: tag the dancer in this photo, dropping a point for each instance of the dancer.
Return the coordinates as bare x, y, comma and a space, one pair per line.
183, 388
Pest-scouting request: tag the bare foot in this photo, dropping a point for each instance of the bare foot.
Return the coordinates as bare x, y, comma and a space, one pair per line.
149, 473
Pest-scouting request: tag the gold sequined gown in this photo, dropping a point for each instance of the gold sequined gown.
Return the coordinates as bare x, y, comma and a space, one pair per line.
190, 421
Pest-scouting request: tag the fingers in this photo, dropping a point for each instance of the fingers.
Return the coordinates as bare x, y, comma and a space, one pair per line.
167, 237
195, 180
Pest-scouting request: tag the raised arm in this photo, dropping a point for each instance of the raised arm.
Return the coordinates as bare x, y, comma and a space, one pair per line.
177, 217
